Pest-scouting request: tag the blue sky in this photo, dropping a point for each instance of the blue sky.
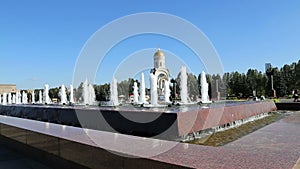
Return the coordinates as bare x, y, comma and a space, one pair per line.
41, 40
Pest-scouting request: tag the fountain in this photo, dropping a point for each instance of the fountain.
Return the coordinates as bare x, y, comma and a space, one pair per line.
18, 97
177, 120
63, 95
71, 94
9, 98
142, 98
46, 95
88, 93
183, 85
40, 97
13, 99
204, 89
153, 86
24, 98
85, 94
114, 92
167, 91
4, 101
32, 97
92, 94
135, 93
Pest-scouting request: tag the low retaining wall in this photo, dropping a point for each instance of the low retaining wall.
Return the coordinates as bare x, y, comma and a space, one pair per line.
194, 121
288, 106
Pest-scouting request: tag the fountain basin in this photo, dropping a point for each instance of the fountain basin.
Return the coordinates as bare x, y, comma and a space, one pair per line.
168, 123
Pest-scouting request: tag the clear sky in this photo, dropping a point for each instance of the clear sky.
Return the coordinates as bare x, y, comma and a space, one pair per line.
41, 40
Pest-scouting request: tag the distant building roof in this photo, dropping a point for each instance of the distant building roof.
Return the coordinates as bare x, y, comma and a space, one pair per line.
8, 88
7, 85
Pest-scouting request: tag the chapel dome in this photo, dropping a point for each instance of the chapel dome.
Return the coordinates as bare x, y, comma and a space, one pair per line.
159, 53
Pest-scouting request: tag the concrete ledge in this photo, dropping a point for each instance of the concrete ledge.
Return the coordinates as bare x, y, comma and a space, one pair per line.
84, 147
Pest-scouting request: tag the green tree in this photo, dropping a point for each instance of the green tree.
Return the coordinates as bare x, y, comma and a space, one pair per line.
297, 75
279, 82
238, 84
102, 92
261, 84
193, 86
36, 94
225, 81
78, 91
217, 85
125, 87
53, 92
252, 81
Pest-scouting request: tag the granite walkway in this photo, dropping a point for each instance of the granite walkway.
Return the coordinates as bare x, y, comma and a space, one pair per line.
274, 146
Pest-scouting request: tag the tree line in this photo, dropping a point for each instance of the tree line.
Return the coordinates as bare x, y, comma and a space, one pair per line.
229, 85
233, 84
244, 85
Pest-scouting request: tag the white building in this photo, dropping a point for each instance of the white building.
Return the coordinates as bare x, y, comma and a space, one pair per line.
160, 70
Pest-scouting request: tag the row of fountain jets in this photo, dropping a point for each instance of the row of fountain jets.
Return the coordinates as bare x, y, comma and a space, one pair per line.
89, 97
22, 98
140, 94
44, 98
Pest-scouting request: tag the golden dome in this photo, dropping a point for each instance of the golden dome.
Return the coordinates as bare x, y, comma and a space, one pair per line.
159, 53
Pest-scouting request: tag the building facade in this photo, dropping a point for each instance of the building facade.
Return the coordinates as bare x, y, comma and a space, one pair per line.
8, 88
